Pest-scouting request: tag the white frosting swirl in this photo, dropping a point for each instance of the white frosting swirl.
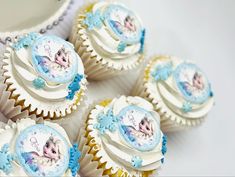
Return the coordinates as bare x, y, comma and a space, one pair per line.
26, 73
115, 149
172, 96
105, 42
9, 134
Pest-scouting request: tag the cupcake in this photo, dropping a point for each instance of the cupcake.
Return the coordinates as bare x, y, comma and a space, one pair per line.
122, 137
179, 91
31, 149
109, 38
44, 76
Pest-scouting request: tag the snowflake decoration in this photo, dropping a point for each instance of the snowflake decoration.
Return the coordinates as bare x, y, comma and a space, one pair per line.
39, 83
75, 155
26, 41
164, 146
94, 20
74, 86
121, 47
136, 161
6, 159
187, 107
106, 122
162, 72
142, 40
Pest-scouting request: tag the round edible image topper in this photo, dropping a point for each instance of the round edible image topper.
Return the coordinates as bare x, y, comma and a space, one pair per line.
42, 151
54, 59
139, 128
124, 23
192, 83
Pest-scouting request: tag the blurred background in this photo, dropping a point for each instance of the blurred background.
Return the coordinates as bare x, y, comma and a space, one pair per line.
199, 30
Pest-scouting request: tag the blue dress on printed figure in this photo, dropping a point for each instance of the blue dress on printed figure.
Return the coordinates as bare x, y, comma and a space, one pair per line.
42, 61
185, 88
127, 131
29, 160
116, 25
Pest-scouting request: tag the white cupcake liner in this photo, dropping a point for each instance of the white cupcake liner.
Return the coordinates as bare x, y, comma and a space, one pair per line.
32, 105
170, 121
96, 67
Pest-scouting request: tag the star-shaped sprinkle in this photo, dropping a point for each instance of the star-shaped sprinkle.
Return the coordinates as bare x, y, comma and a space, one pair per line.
75, 155
106, 122
6, 159
39, 83
93, 20
187, 107
162, 72
136, 162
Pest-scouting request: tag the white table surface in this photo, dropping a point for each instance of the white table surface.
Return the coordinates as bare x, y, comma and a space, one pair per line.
200, 30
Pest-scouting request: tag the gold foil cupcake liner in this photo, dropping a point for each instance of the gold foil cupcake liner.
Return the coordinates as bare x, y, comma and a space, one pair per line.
169, 120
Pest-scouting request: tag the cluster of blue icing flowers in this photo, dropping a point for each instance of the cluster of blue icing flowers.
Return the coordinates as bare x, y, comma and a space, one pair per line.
164, 146
74, 86
75, 155
39, 83
93, 20
136, 162
142, 40
187, 107
162, 72
26, 41
106, 122
6, 159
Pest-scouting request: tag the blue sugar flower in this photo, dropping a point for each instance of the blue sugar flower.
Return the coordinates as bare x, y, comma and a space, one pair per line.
74, 86
93, 20
136, 161
106, 122
142, 40
6, 159
75, 155
164, 146
162, 72
25, 41
121, 47
39, 83
187, 107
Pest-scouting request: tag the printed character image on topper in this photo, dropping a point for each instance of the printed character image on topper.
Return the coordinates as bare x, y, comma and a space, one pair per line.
51, 154
192, 82
42, 152
139, 128
54, 59
54, 65
124, 23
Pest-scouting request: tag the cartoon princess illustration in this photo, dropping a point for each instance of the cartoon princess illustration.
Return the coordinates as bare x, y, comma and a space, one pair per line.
56, 66
140, 132
194, 86
128, 25
51, 155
